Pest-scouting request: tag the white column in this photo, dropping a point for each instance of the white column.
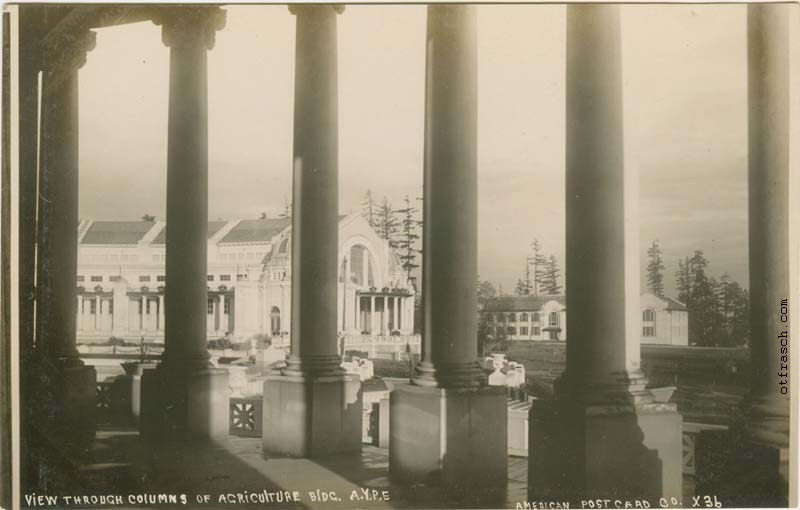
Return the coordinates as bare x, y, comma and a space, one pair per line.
161, 312
97, 309
396, 312
385, 316
144, 312
223, 322
372, 322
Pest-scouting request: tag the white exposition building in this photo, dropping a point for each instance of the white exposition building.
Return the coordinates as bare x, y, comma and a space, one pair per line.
544, 318
121, 280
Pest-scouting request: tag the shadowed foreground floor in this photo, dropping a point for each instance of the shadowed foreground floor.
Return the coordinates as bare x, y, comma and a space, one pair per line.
234, 473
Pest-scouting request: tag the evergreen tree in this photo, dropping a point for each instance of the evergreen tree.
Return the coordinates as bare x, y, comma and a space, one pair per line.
369, 210
539, 261
684, 281
704, 320
388, 224
407, 243
522, 288
550, 277
655, 268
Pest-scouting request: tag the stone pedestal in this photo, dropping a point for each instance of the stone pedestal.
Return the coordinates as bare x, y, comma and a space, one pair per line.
454, 437
184, 404
741, 472
580, 451
312, 416
207, 403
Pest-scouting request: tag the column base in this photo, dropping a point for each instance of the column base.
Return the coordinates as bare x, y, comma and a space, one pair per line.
307, 416
456, 438
190, 403
582, 451
740, 471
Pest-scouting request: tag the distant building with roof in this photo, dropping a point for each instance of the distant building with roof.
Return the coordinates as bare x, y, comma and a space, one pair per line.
544, 318
121, 280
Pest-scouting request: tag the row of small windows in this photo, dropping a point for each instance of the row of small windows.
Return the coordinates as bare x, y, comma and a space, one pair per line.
148, 278
553, 318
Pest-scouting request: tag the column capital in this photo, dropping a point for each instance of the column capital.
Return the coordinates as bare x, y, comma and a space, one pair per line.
64, 55
182, 26
300, 8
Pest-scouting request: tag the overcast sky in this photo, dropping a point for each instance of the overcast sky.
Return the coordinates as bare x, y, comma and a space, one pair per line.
685, 123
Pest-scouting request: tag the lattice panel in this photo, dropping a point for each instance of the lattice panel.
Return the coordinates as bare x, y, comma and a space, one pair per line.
104, 395
246, 416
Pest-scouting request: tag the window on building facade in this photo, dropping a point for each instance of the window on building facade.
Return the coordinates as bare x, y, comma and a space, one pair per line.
511, 330
523, 317
210, 306
110, 306
501, 317
115, 278
227, 308
649, 326
97, 278
536, 317
537, 331
553, 319
224, 277
648, 315
648, 331
144, 278
523, 330
161, 278
210, 277
92, 306
80, 278
512, 317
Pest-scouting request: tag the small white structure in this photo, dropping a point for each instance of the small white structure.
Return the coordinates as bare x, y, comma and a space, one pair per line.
664, 321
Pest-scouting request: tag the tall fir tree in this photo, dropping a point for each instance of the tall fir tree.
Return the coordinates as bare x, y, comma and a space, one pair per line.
522, 288
369, 210
538, 261
683, 281
703, 314
408, 239
655, 268
388, 224
550, 277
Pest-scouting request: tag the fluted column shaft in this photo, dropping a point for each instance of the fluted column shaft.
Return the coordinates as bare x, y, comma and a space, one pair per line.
189, 33
602, 264
451, 200
768, 99
315, 194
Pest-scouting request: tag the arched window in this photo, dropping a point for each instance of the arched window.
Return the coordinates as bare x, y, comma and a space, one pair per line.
523, 317
535, 316
512, 317
275, 320
649, 322
553, 320
361, 266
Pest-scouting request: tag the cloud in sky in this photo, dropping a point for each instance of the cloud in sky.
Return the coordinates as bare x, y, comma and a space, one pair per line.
685, 121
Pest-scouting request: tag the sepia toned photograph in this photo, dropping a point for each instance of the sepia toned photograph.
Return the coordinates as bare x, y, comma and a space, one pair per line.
414, 256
